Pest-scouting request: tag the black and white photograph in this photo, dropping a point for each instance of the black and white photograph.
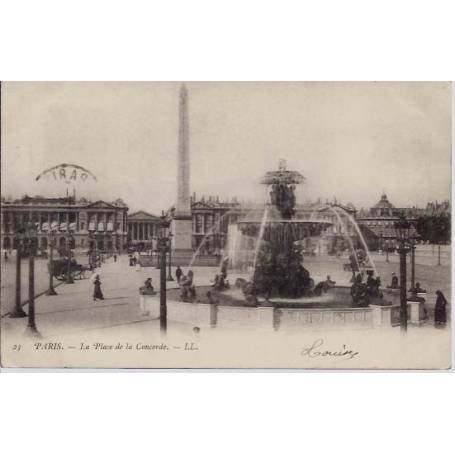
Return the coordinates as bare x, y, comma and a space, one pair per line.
226, 225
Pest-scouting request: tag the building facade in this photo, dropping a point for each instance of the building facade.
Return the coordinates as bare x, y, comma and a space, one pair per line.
378, 223
142, 230
86, 225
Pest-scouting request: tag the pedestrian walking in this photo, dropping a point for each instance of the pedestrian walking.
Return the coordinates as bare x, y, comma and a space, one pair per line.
440, 312
178, 273
115, 257
97, 293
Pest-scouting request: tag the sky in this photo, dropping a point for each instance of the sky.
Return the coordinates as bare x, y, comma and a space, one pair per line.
351, 141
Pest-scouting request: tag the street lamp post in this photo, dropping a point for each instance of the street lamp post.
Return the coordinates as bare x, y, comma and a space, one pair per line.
95, 243
162, 247
402, 228
169, 274
69, 278
413, 264
439, 253
158, 261
51, 290
93, 252
18, 312
31, 324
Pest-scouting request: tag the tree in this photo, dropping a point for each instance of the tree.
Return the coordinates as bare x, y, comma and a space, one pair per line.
440, 229
435, 229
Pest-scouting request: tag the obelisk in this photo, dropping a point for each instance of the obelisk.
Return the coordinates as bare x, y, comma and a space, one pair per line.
182, 224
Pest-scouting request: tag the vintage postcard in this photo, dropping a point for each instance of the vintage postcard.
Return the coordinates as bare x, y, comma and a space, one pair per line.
226, 225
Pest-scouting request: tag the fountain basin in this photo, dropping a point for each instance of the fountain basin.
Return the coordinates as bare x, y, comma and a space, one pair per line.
332, 311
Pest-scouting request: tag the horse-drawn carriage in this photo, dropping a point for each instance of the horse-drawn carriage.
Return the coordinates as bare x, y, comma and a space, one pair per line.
60, 269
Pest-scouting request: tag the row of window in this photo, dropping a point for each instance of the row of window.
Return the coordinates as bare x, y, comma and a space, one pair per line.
379, 223
56, 226
10, 242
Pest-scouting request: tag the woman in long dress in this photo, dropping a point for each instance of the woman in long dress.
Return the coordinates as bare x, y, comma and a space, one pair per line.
440, 313
97, 293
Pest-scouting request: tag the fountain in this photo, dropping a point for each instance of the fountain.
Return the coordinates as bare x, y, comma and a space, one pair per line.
278, 259
264, 279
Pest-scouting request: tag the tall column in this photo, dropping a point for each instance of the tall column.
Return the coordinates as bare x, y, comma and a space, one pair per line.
182, 223
183, 182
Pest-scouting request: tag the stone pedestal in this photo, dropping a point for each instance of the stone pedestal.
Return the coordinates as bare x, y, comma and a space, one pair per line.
149, 306
266, 316
381, 316
417, 313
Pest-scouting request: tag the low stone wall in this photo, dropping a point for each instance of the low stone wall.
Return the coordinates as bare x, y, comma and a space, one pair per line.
233, 316
334, 318
214, 315
198, 314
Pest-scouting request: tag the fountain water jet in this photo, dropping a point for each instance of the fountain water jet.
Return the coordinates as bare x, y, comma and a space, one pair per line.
362, 239
332, 209
259, 239
206, 237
